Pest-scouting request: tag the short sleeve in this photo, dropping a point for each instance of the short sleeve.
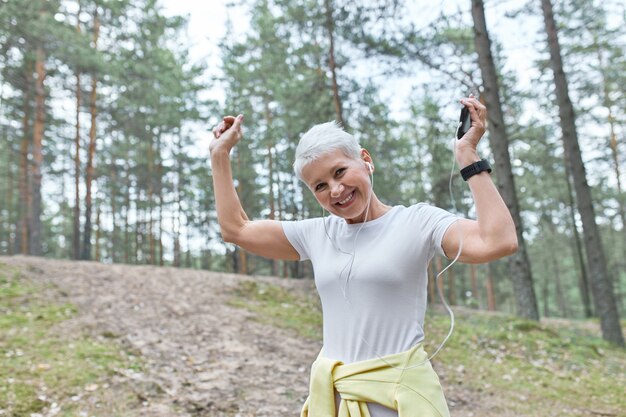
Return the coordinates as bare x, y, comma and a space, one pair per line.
300, 234
437, 221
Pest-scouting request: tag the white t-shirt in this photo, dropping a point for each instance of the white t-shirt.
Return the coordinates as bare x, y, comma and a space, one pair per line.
384, 305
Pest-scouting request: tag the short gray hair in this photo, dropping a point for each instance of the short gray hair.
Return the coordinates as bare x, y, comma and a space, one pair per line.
322, 139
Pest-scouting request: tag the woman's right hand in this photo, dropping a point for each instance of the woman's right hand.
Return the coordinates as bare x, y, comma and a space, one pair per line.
226, 134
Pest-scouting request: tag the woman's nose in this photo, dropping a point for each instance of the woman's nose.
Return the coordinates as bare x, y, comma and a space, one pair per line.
336, 189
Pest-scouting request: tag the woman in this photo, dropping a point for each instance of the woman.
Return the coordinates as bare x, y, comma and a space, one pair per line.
370, 265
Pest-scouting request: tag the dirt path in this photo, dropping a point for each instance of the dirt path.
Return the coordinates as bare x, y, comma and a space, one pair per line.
203, 357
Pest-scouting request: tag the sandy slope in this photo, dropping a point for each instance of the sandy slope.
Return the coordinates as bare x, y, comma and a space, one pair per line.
203, 357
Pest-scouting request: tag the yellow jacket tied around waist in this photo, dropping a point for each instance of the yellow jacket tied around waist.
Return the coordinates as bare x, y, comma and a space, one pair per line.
389, 381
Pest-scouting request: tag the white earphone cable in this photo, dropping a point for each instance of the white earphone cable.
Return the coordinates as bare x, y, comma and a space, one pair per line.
442, 298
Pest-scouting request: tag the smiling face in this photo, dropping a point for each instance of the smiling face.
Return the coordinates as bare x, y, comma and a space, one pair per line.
340, 184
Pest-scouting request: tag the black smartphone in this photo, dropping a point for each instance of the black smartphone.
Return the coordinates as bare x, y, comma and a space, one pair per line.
464, 123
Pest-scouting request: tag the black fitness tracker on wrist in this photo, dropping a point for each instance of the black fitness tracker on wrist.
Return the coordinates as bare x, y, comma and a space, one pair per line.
475, 168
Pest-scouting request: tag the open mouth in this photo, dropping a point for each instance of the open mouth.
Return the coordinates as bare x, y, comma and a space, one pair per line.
346, 200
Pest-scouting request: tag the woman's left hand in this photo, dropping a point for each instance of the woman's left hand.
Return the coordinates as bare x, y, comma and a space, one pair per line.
466, 146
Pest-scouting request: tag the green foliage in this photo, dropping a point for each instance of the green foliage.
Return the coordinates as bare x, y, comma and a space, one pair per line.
533, 366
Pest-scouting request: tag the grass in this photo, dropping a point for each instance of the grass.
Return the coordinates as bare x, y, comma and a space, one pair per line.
40, 368
533, 369
538, 366
277, 306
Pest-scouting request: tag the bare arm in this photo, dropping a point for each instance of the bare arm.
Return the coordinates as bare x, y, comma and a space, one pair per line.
262, 237
492, 235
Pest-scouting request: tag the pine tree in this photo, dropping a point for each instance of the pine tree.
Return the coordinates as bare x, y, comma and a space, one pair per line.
519, 264
601, 284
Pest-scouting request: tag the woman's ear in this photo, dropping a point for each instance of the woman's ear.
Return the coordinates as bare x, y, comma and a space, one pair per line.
367, 158
365, 155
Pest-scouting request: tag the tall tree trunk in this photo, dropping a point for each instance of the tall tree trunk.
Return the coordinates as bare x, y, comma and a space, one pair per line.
432, 296
545, 294
621, 197
76, 229
92, 146
270, 157
274, 262
438, 282
601, 285
243, 262
76, 220
606, 101
490, 288
519, 264
546, 227
560, 294
179, 208
24, 175
177, 254
451, 287
150, 198
474, 284
330, 28
160, 203
114, 216
281, 214
583, 281
37, 151
150, 224
127, 203
139, 241
8, 223
207, 258
177, 219
98, 233
616, 166
160, 236
189, 260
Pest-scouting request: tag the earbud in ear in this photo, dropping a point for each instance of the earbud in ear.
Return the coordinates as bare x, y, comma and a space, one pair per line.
369, 166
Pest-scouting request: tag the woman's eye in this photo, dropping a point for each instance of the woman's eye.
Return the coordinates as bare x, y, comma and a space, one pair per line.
319, 187
339, 171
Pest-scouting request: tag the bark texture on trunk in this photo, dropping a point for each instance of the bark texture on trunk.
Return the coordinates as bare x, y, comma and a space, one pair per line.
474, 284
519, 264
330, 27
93, 110
7, 223
127, 202
76, 220
35, 241
583, 281
97, 248
489, 287
601, 285
24, 174
607, 102
150, 201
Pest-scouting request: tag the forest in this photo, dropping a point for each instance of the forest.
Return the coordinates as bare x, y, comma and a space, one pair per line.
102, 109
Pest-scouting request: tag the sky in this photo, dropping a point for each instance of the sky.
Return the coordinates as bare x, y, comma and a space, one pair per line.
207, 19
206, 27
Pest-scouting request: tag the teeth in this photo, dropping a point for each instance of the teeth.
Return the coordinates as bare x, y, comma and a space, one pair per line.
348, 198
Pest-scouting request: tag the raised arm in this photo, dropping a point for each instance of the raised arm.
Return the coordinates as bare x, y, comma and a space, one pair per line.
262, 237
492, 235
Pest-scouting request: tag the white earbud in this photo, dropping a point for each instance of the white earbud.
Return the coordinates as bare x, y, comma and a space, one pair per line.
369, 166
